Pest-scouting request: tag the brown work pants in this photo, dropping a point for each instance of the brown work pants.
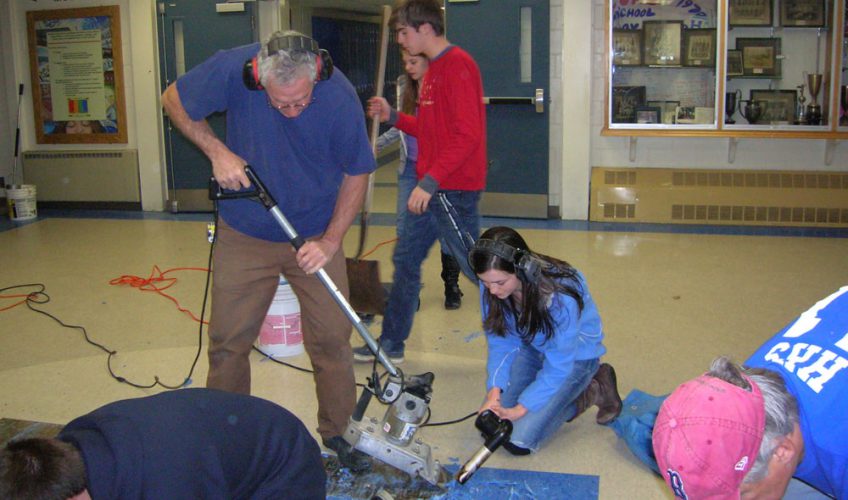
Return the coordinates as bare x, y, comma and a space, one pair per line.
246, 273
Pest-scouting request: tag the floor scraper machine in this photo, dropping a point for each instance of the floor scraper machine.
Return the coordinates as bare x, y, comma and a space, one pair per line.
391, 440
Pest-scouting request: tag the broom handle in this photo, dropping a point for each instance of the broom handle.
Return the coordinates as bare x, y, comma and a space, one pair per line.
17, 137
375, 127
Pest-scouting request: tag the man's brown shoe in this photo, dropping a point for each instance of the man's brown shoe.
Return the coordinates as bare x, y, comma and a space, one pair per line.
608, 400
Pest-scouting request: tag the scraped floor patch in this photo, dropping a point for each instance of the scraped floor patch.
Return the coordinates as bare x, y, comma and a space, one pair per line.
384, 479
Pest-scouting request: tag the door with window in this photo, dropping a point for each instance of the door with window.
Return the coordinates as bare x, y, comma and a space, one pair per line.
189, 32
510, 40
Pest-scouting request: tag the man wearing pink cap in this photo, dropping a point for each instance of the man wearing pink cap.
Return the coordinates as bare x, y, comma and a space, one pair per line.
746, 432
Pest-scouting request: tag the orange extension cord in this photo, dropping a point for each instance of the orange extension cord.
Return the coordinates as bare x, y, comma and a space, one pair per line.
157, 282
149, 284
152, 284
378, 245
22, 296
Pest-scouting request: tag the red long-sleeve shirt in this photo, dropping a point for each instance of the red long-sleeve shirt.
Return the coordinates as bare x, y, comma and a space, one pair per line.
451, 123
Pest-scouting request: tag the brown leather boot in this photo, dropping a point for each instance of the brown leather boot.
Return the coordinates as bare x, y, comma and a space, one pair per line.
608, 400
586, 399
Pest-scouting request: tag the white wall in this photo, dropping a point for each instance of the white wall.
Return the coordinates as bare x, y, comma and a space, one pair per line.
142, 77
575, 128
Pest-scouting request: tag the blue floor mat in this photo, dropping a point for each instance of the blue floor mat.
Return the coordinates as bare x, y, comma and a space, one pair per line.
487, 483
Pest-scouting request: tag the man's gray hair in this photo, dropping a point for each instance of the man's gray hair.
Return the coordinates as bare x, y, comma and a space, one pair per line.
781, 408
285, 66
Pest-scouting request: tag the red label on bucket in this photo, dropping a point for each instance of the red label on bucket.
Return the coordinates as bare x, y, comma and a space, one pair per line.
280, 333
281, 329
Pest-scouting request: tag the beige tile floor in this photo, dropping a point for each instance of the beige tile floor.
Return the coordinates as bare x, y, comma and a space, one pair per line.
670, 303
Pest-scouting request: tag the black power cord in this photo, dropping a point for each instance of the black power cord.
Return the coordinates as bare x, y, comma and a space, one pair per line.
40, 297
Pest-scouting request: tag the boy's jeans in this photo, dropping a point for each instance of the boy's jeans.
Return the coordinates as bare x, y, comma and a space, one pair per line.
415, 237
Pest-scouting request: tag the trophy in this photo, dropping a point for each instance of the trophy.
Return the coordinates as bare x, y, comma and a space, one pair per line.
843, 94
752, 110
801, 112
730, 101
814, 110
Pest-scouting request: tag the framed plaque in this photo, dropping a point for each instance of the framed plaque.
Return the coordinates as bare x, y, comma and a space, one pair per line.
699, 48
779, 105
759, 56
662, 42
734, 63
625, 101
627, 47
802, 13
750, 13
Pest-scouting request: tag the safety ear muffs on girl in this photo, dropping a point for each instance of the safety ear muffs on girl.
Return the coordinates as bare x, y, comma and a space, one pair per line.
526, 265
323, 61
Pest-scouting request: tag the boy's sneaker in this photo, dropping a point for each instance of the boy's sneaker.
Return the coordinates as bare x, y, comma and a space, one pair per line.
363, 354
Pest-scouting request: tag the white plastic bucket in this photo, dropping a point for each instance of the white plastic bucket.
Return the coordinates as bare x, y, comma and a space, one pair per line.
280, 335
21, 200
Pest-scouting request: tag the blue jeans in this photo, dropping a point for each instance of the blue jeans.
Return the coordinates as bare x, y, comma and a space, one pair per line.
531, 430
415, 237
407, 180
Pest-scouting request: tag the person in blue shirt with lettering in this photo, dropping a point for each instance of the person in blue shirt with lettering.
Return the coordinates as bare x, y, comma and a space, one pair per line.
787, 411
545, 341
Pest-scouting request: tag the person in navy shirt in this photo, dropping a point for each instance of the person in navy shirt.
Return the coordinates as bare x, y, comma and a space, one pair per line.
188, 443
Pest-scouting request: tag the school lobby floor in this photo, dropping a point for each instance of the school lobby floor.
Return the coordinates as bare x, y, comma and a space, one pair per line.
671, 299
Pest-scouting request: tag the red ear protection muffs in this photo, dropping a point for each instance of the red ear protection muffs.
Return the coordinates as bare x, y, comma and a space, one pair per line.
526, 265
323, 61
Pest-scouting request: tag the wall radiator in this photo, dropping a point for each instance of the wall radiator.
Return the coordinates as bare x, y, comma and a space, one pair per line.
723, 197
83, 176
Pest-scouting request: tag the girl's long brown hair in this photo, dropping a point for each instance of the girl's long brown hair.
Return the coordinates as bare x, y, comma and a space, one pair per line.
409, 95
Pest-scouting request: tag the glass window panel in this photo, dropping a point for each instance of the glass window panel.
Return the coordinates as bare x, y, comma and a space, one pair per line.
526, 44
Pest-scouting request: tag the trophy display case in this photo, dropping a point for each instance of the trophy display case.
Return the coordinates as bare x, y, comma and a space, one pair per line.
734, 68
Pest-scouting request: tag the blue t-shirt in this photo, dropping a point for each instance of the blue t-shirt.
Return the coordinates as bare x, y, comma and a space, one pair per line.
300, 160
812, 356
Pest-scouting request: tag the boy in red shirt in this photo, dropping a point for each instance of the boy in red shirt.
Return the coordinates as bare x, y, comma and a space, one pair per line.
450, 126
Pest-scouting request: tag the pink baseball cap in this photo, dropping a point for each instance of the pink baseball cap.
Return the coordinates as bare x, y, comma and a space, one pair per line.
707, 436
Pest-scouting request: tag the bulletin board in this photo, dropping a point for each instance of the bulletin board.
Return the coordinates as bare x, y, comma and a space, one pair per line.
77, 75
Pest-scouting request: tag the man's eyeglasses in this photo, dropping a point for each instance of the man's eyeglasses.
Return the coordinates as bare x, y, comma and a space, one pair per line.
299, 106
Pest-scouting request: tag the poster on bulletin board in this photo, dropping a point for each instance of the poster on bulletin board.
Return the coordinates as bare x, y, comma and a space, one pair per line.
77, 78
